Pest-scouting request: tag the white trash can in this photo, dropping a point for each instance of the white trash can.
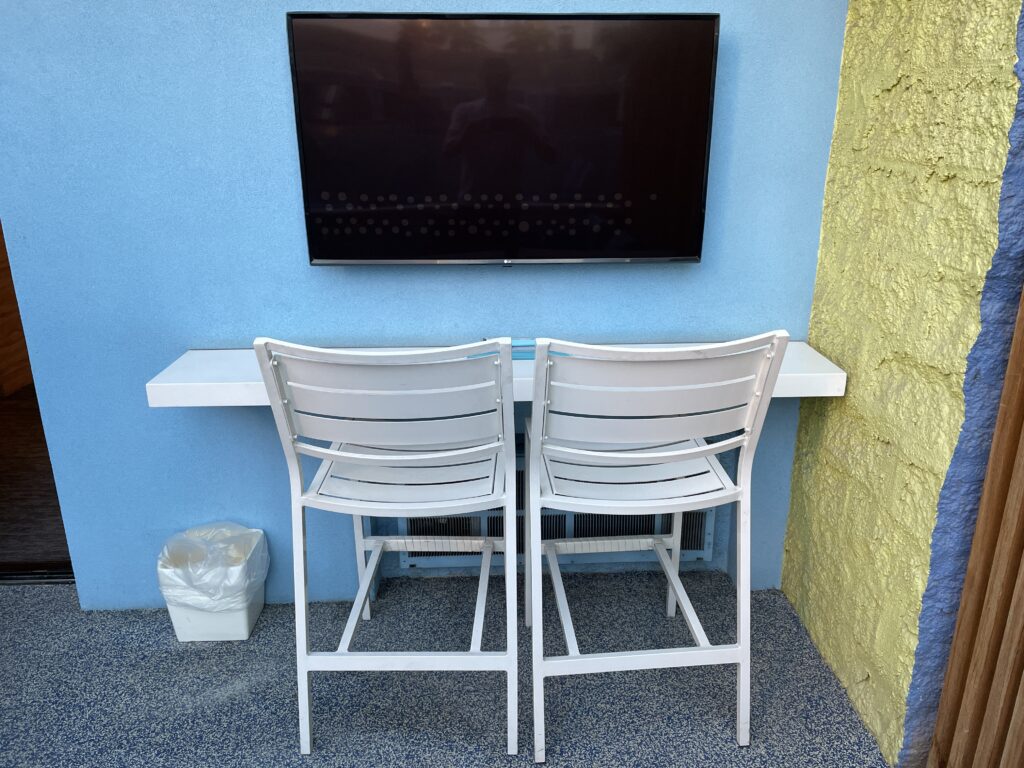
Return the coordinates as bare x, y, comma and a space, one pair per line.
212, 578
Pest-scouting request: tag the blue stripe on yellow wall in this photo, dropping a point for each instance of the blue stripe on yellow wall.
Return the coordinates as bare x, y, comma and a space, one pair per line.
961, 490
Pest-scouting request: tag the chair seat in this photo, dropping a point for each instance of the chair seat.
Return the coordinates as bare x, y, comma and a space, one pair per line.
697, 483
397, 489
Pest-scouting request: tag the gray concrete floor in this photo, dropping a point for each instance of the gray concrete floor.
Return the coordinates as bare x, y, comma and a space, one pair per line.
117, 689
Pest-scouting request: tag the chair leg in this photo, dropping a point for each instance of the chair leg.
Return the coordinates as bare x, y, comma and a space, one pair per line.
537, 580
527, 575
527, 539
305, 704
301, 625
512, 623
677, 540
357, 530
743, 617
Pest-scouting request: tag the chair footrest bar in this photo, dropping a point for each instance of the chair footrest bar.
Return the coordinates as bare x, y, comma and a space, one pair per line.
606, 544
457, 661
674, 582
563, 605
481, 600
554, 666
435, 543
362, 595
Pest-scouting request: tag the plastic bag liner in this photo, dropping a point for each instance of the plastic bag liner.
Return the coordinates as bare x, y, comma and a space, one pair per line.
215, 567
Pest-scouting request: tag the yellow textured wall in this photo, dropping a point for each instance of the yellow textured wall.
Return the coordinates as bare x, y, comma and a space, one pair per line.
926, 97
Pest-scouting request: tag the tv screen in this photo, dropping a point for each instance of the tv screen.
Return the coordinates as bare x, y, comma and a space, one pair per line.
451, 138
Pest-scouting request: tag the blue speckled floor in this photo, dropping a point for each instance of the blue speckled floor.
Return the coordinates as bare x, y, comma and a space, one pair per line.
116, 688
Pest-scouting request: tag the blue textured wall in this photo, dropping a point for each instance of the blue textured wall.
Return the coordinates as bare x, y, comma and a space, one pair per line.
961, 490
150, 197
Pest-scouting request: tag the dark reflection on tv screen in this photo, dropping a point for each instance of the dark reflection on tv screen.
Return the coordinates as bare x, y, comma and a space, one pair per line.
503, 138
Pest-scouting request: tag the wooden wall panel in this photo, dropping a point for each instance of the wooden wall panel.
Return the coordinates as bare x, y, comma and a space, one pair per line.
15, 372
981, 710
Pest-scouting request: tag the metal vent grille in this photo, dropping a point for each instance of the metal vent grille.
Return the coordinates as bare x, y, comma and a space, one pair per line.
585, 526
552, 526
694, 529
697, 530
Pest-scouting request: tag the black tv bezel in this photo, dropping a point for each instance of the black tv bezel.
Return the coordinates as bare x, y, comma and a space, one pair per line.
694, 259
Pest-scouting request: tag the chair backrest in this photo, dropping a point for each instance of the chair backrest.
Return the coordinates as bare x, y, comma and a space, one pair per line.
626, 405
390, 407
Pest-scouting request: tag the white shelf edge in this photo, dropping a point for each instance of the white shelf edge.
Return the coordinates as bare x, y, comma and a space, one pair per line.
209, 378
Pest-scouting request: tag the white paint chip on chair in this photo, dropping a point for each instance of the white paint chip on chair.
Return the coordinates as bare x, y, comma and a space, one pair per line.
398, 434
631, 431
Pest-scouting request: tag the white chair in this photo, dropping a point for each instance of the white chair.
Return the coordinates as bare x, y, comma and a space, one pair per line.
398, 434
628, 431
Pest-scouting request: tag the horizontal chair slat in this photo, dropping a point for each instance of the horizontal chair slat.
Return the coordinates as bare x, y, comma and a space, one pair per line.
649, 401
668, 489
660, 352
404, 475
356, 454
382, 355
408, 376
483, 427
655, 373
637, 474
613, 458
394, 404
597, 431
362, 491
407, 509
638, 506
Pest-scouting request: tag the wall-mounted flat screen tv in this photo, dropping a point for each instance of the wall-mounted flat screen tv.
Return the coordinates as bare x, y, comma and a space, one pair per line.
506, 139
